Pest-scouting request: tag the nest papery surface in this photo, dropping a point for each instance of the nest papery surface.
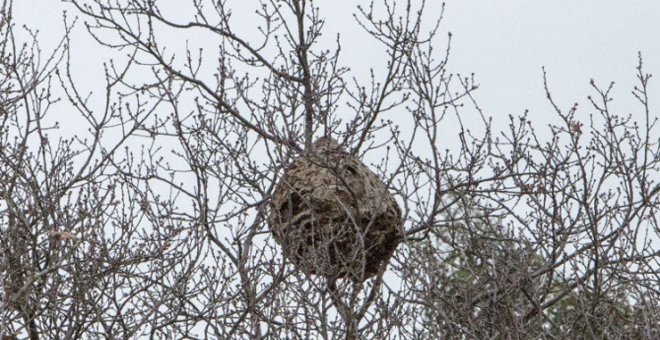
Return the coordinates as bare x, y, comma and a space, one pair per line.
333, 216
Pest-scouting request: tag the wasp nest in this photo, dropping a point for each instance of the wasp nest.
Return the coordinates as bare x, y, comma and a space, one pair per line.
332, 216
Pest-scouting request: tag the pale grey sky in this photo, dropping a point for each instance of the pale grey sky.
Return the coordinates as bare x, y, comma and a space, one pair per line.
505, 43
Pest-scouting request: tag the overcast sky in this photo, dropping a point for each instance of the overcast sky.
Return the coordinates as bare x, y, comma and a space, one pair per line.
505, 43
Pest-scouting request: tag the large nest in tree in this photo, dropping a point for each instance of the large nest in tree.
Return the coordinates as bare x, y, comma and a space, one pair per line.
333, 216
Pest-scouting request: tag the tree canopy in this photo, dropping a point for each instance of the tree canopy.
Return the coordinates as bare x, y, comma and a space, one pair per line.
140, 208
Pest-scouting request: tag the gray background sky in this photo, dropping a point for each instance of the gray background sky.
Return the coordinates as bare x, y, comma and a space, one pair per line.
505, 43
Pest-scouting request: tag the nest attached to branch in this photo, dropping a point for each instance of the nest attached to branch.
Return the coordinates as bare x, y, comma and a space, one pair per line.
333, 216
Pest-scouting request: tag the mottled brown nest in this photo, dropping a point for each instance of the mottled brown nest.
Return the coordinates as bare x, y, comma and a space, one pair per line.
333, 216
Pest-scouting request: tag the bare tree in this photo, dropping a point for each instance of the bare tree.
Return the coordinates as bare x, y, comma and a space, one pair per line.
155, 222
68, 246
